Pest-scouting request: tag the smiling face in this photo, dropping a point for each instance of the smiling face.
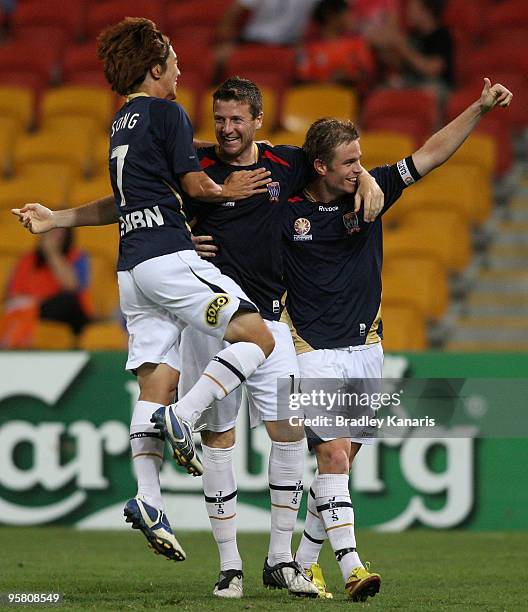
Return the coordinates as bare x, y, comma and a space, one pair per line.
235, 129
340, 176
169, 79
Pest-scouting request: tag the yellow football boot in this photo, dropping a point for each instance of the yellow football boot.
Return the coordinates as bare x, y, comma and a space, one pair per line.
362, 584
315, 573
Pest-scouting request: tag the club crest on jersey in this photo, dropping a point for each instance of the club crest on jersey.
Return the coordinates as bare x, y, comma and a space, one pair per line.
274, 191
213, 309
351, 222
302, 226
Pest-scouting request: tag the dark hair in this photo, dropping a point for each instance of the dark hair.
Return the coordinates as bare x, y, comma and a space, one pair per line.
128, 50
328, 8
325, 135
435, 7
240, 90
66, 246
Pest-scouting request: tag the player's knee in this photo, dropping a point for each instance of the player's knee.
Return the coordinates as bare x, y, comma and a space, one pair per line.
219, 439
250, 327
332, 460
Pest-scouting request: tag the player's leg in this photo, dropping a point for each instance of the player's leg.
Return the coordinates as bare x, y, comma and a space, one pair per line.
268, 390
220, 491
200, 296
153, 356
219, 480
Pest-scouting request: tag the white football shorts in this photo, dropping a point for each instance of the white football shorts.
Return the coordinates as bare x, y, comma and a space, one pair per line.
331, 371
196, 350
161, 296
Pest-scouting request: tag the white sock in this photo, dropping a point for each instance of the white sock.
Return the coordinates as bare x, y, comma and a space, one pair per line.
147, 452
314, 533
335, 509
285, 472
224, 373
220, 489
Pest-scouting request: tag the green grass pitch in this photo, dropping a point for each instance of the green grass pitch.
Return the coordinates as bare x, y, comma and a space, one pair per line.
421, 570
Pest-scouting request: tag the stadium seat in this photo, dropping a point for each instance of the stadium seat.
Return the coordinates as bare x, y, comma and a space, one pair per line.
38, 60
409, 127
36, 184
464, 17
18, 103
304, 104
107, 336
421, 280
103, 285
403, 327
423, 218
505, 17
279, 137
187, 98
54, 13
53, 336
80, 61
183, 15
102, 14
78, 101
479, 150
8, 130
84, 191
388, 107
379, 147
101, 241
64, 140
431, 234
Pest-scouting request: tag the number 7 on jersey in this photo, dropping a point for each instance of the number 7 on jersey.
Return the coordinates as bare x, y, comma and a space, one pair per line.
120, 152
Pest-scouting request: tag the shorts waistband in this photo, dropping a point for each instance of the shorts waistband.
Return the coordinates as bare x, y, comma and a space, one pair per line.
358, 347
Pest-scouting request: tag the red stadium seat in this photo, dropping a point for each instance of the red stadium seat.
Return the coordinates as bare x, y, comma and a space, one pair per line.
463, 17
416, 110
250, 59
38, 59
53, 13
495, 57
181, 15
103, 14
505, 16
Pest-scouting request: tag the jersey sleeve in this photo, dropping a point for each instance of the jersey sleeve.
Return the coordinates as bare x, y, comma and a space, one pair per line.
301, 170
175, 132
394, 179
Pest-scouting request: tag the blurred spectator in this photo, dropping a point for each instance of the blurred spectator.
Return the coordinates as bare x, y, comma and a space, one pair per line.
49, 283
333, 53
270, 22
426, 57
7, 8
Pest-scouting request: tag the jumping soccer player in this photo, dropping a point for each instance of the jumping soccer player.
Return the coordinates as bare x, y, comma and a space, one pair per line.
164, 285
332, 263
249, 235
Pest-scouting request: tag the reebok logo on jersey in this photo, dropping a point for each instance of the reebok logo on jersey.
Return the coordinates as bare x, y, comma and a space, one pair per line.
214, 307
328, 208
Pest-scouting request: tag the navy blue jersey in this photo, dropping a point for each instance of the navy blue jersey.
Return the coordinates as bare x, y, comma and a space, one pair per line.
151, 144
248, 232
332, 266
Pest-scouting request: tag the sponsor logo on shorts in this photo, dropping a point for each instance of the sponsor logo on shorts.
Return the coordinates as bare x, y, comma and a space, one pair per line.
274, 191
351, 222
302, 226
214, 307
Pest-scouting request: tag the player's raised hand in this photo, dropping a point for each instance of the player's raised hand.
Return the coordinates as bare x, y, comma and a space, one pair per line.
370, 195
35, 217
204, 246
494, 95
245, 183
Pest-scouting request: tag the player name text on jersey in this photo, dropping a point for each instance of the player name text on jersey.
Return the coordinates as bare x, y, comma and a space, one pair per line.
123, 122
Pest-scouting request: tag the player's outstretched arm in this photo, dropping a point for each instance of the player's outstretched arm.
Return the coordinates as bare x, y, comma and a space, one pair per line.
238, 185
370, 194
38, 219
446, 141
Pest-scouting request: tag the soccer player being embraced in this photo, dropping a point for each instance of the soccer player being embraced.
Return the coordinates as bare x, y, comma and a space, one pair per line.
163, 284
247, 248
332, 265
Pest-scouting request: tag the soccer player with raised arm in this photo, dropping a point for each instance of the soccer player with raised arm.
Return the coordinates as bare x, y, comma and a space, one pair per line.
163, 284
248, 235
332, 263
